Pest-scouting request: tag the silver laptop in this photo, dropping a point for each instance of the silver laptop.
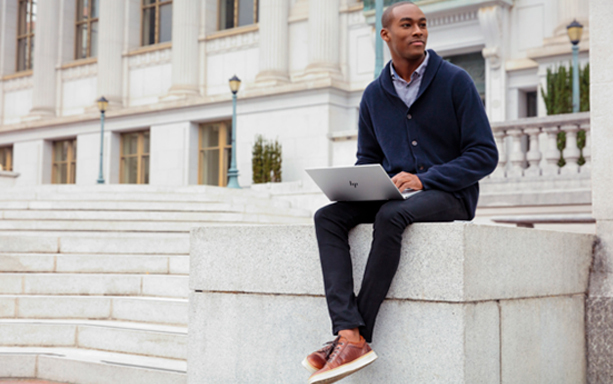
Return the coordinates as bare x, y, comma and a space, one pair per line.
357, 183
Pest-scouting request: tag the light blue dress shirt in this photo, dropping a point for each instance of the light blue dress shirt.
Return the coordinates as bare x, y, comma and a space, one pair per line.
407, 91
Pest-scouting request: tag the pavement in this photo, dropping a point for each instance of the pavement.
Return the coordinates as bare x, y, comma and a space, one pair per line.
28, 381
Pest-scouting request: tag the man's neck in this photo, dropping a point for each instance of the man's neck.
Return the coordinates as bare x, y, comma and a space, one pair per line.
405, 67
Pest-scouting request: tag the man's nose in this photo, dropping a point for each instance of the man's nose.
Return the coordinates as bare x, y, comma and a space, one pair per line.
418, 31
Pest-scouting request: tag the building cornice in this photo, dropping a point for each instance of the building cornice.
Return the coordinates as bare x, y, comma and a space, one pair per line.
247, 94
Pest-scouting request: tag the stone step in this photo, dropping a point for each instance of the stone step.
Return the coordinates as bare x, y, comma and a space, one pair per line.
94, 263
141, 226
73, 365
154, 216
113, 336
21, 196
34, 191
170, 311
94, 242
149, 206
145, 339
93, 284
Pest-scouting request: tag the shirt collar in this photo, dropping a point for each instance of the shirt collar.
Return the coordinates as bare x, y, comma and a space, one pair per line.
418, 72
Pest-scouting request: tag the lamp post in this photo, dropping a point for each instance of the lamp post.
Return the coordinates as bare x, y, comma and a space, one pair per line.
378, 40
102, 105
575, 30
235, 84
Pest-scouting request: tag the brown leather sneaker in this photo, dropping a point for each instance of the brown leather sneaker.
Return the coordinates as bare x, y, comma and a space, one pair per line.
345, 359
316, 360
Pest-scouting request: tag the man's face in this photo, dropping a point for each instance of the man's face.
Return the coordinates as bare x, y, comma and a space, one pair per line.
407, 33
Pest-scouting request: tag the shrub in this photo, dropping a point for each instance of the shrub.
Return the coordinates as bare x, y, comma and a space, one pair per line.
266, 161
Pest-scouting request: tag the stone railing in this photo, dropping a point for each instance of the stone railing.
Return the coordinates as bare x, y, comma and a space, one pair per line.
528, 147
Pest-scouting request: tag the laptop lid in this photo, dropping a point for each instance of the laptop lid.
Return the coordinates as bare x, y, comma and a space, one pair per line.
355, 183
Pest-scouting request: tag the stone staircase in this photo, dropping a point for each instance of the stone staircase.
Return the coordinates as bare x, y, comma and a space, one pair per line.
94, 280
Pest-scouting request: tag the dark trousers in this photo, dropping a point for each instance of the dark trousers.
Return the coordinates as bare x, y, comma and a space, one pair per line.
390, 218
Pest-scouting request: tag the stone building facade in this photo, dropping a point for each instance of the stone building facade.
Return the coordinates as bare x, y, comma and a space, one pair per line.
164, 66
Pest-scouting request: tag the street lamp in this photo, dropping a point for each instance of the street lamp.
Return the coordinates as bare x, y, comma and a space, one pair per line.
575, 30
235, 84
102, 105
378, 39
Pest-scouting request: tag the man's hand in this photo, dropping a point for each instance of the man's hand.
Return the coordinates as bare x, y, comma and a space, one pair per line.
406, 180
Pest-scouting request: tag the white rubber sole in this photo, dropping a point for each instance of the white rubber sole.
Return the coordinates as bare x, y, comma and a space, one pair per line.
345, 370
309, 367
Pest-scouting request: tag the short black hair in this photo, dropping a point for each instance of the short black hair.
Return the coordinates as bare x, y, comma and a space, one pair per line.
386, 19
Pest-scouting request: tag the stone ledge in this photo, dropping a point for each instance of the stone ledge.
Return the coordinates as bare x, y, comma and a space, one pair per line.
452, 262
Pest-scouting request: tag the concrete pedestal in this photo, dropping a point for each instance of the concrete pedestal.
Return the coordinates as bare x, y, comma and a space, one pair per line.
469, 304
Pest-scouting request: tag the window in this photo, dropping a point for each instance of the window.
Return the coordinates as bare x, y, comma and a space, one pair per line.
531, 104
87, 29
156, 22
25, 34
474, 64
6, 159
214, 153
64, 162
237, 13
134, 150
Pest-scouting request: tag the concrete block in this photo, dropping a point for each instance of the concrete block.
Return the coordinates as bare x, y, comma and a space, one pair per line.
81, 284
11, 283
136, 341
27, 262
166, 286
434, 343
87, 372
440, 261
29, 244
17, 365
7, 307
151, 310
599, 329
63, 307
23, 333
112, 264
543, 340
160, 244
179, 265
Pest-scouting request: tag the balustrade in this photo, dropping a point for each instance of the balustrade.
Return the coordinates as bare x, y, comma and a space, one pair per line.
542, 158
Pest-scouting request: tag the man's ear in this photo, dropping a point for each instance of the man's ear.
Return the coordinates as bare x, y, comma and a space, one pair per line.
385, 35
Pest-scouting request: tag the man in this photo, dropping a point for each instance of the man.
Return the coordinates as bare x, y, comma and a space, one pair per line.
424, 121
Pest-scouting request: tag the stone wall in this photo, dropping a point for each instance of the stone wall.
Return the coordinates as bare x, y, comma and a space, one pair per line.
469, 304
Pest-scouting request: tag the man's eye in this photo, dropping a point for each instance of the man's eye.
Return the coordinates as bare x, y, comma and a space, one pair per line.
423, 25
406, 25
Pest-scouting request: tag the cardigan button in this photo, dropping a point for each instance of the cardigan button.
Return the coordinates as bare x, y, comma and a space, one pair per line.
414, 143
409, 116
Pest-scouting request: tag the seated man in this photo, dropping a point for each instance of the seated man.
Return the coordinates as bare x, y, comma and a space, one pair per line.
424, 121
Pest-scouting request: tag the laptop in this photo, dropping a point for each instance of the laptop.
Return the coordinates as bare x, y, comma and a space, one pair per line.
357, 183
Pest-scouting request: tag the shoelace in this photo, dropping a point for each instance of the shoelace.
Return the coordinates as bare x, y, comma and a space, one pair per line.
335, 350
329, 347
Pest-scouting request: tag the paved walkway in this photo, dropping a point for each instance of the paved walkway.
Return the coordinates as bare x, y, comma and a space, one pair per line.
28, 381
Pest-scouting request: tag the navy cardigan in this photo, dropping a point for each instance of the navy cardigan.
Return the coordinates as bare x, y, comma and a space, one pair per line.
444, 138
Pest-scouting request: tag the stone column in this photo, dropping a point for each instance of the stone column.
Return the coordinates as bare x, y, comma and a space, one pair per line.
324, 38
185, 51
600, 300
45, 58
492, 20
110, 48
274, 41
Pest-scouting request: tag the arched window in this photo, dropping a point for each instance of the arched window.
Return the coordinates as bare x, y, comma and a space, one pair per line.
156, 25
